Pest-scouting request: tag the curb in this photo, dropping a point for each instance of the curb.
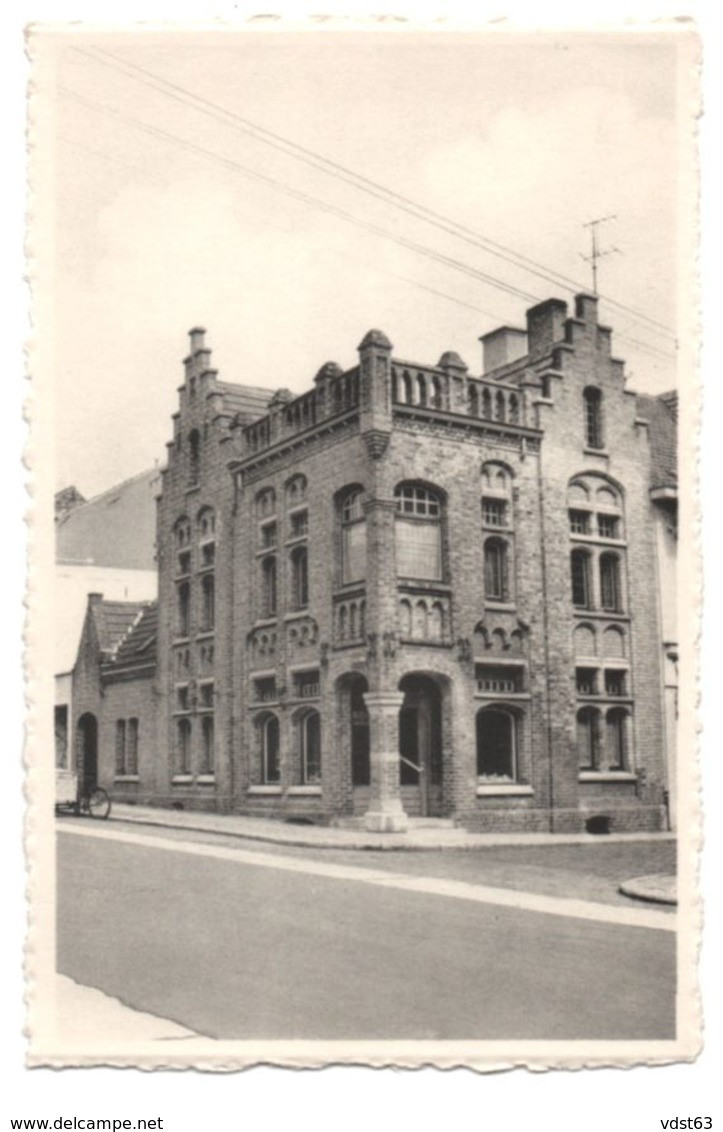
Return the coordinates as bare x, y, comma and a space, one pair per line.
390, 842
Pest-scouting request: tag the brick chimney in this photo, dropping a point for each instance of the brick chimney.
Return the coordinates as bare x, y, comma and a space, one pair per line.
545, 326
503, 345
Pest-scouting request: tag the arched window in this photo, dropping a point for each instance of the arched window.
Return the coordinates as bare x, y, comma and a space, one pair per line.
269, 740
418, 532
496, 570
588, 738
265, 503
592, 400
581, 581
194, 456
353, 536
616, 723
183, 746
208, 761
300, 578
182, 543
496, 495
268, 587
407, 388
208, 603
496, 745
183, 609
309, 732
296, 490
610, 595
473, 401
421, 389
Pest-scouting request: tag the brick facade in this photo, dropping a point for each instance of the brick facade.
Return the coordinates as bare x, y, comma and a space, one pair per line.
355, 574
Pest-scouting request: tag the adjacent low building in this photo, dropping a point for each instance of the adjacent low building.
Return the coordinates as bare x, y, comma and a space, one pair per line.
410, 591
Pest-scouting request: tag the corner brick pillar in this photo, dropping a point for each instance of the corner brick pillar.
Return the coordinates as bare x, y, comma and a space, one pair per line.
385, 813
375, 391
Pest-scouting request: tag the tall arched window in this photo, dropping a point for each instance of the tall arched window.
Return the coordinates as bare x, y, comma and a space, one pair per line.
183, 747
616, 723
353, 536
269, 739
309, 732
183, 609
208, 603
581, 580
588, 738
268, 587
592, 401
418, 532
610, 594
496, 745
496, 570
194, 456
300, 577
296, 490
208, 761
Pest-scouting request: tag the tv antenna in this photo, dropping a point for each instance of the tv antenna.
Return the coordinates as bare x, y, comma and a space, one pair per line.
596, 252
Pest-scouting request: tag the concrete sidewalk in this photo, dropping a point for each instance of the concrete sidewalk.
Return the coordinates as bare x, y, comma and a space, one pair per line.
418, 836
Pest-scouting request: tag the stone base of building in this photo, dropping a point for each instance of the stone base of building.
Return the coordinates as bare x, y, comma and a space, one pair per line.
378, 822
614, 819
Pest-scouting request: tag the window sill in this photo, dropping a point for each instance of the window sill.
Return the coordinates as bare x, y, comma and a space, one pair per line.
296, 614
265, 622
587, 451
485, 789
266, 550
181, 640
127, 778
206, 779
204, 634
292, 540
305, 790
602, 615
606, 776
264, 790
181, 779
484, 695
493, 603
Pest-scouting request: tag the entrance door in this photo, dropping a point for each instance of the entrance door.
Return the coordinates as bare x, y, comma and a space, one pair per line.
420, 746
87, 752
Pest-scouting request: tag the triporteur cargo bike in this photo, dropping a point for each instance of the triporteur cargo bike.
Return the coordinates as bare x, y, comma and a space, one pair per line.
73, 797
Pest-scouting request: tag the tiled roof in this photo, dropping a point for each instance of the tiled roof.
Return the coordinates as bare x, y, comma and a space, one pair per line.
113, 620
116, 528
661, 414
250, 400
139, 645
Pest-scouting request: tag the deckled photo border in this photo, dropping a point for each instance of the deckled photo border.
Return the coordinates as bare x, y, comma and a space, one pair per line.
46, 1045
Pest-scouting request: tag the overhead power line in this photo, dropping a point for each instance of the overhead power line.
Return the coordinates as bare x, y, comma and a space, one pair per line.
357, 180
306, 198
317, 203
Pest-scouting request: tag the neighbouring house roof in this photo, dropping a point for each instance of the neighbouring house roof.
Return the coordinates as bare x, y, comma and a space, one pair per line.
248, 400
116, 528
661, 413
113, 621
138, 646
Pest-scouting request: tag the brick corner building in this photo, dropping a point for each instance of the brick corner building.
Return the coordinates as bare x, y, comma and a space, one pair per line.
409, 591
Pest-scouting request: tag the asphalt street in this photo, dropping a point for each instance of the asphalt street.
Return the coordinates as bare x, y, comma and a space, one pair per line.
231, 949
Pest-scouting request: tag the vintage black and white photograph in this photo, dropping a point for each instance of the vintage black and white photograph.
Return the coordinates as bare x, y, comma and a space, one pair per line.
360, 360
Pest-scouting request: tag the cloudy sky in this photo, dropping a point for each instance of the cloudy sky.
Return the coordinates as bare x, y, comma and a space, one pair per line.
169, 208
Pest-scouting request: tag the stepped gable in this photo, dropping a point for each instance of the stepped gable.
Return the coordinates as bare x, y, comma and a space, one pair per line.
661, 414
